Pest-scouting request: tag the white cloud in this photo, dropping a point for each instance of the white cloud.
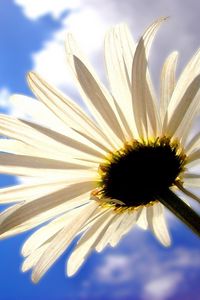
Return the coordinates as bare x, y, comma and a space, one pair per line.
35, 9
115, 269
4, 98
89, 21
156, 274
163, 287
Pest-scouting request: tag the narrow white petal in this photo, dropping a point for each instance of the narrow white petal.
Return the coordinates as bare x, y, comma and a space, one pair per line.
109, 232
35, 166
184, 113
128, 220
193, 158
192, 180
142, 219
157, 223
61, 242
64, 108
45, 216
32, 259
17, 147
193, 145
119, 51
46, 232
144, 103
99, 102
88, 242
167, 82
48, 141
29, 192
28, 109
43, 204
188, 76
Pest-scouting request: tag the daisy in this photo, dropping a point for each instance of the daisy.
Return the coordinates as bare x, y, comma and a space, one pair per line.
99, 174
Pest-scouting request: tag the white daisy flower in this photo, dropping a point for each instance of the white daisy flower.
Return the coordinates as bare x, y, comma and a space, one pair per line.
101, 173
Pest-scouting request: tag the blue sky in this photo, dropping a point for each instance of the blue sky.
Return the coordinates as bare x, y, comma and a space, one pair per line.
32, 37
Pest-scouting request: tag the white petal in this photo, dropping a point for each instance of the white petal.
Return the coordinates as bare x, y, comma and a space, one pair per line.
43, 204
42, 235
188, 75
192, 180
157, 223
119, 51
32, 259
36, 166
45, 216
33, 110
193, 158
98, 100
48, 141
185, 112
64, 108
88, 241
28, 192
98, 103
193, 145
61, 242
144, 103
109, 232
142, 219
167, 82
128, 220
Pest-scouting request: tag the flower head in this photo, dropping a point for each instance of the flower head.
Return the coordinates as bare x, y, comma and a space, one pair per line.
101, 173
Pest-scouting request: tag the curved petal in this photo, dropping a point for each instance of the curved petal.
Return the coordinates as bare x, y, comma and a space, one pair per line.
185, 112
126, 224
43, 217
144, 103
98, 100
64, 108
108, 235
167, 82
88, 242
190, 72
157, 223
25, 165
45, 140
193, 158
43, 204
45, 233
191, 179
32, 259
29, 192
61, 241
193, 145
119, 51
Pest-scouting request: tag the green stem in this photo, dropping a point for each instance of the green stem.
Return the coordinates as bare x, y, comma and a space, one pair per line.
178, 207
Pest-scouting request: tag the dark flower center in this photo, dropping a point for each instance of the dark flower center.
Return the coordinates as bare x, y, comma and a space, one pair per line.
140, 172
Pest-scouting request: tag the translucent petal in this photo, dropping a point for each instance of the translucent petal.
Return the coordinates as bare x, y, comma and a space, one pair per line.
101, 105
35, 166
61, 241
185, 112
191, 179
167, 82
43, 204
64, 108
144, 103
88, 241
119, 51
157, 224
